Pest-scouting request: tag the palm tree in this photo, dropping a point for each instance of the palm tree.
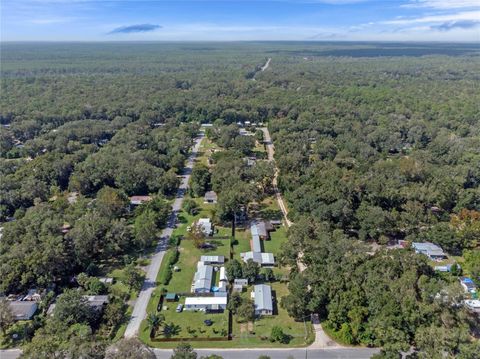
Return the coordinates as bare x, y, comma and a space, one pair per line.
154, 321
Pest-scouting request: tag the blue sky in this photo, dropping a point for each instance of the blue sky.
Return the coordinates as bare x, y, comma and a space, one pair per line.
226, 20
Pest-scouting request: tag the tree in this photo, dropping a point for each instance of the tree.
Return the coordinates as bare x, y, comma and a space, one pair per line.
133, 277
190, 206
277, 335
154, 321
184, 351
250, 270
246, 311
131, 348
233, 269
145, 228
268, 274
71, 308
296, 303
114, 313
6, 315
234, 302
200, 180
197, 235
111, 202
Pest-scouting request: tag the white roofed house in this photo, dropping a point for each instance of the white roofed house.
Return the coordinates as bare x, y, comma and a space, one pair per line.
202, 280
206, 225
431, 250
213, 259
207, 304
262, 296
264, 259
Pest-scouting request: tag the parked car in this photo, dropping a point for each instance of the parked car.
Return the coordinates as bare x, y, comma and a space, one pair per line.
179, 308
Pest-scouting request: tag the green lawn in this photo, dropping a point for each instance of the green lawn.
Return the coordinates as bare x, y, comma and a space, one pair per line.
255, 334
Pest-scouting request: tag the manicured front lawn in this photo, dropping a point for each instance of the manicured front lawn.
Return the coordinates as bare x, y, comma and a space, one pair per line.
258, 332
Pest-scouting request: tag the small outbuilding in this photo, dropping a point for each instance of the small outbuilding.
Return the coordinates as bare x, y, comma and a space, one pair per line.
210, 197
171, 297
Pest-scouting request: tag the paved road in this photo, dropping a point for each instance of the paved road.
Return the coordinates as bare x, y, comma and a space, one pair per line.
344, 353
140, 308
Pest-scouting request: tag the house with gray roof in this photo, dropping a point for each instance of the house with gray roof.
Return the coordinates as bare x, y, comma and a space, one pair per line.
210, 197
264, 259
262, 296
431, 250
23, 310
96, 302
212, 259
202, 280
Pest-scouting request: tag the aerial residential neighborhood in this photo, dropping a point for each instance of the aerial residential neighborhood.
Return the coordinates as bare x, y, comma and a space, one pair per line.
272, 179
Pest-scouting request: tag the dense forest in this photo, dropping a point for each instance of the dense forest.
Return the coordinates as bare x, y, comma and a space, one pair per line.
374, 143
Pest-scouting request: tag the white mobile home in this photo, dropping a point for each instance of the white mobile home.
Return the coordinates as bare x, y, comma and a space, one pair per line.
206, 304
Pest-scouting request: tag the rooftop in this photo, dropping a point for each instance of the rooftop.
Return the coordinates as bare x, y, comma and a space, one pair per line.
263, 297
205, 300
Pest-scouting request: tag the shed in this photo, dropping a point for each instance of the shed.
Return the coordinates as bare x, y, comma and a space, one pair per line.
222, 276
210, 197
171, 297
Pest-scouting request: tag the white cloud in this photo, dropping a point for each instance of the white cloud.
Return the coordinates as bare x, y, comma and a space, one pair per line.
444, 4
460, 16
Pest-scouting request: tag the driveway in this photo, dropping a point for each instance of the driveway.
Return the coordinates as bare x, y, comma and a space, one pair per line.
140, 308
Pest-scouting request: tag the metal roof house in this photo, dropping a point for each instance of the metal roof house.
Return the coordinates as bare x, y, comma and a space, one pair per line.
264, 259
239, 284
262, 228
262, 295
207, 226
96, 301
256, 244
202, 280
23, 310
431, 250
137, 200
207, 304
212, 259
210, 197
468, 284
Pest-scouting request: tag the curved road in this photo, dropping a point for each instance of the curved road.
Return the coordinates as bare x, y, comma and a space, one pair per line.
140, 308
